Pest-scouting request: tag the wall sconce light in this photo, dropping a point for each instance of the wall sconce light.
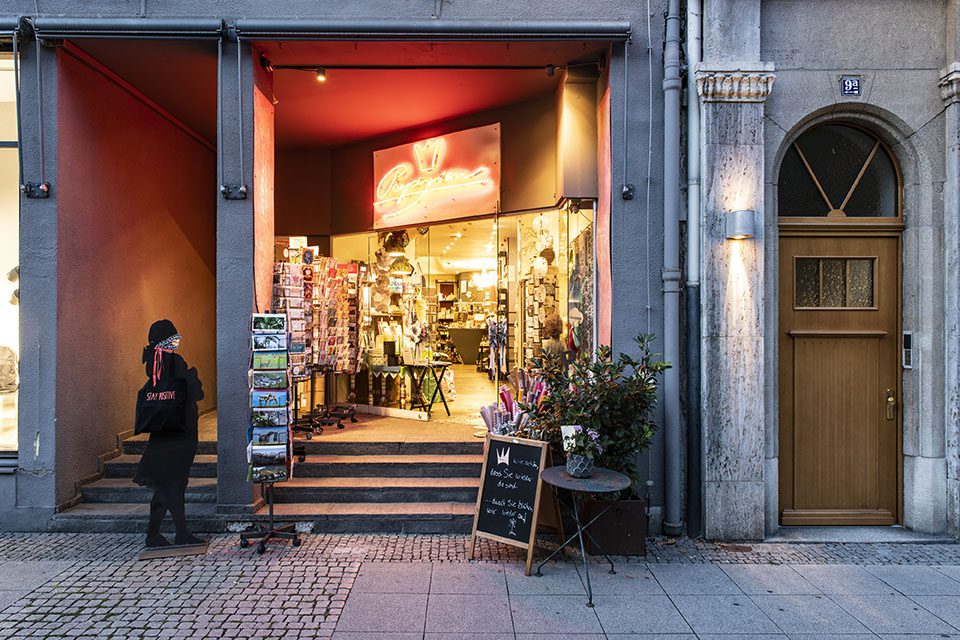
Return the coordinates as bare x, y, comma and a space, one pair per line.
739, 224
321, 74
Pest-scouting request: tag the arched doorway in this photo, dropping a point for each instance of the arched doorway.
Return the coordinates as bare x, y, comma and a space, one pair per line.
840, 220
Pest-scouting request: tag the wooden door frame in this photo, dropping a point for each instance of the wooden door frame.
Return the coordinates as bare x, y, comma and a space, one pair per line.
862, 227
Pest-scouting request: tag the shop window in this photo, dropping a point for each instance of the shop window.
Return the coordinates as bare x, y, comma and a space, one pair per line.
838, 171
9, 259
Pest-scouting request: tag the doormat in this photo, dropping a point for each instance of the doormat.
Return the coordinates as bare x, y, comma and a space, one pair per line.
174, 551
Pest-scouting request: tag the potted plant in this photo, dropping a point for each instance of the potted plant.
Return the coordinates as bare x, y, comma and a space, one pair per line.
582, 447
614, 397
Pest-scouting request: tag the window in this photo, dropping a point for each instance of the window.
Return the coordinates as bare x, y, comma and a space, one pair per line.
834, 283
838, 171
9, 258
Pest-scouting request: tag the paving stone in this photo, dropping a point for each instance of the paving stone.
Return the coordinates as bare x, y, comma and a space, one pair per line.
559, 578
891, 614
393, 578
554, 614
481, 578
947, 608
916, 581
639, 614
360, 635
762, 579
694, 580
384, 612
723, 614
844, 579
629, 579
804, 614
466, 614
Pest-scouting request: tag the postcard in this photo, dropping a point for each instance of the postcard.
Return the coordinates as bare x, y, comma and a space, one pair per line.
267, 360
269, 341
267, 417
273, 473
269, 380
261, 399
268, 455
269, 322
262, 436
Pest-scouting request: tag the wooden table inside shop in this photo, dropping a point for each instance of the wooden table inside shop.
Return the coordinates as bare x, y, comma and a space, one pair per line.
418, 375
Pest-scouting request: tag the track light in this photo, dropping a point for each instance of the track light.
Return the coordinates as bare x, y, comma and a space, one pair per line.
321, 74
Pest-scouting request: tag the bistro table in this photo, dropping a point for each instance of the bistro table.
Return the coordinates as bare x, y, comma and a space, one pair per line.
600, 481
418, 375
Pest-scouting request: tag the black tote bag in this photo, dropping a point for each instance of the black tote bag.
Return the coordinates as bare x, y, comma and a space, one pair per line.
162, 407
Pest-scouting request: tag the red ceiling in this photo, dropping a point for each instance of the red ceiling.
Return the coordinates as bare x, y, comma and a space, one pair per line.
353, 104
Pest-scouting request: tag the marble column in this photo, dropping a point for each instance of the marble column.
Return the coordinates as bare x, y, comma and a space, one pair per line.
732, 285
950, 92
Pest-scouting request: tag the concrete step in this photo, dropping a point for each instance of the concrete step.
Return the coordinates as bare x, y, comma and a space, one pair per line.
390, 466
320, 446
120, 490
376, 517
138, 444
125, 466
376, 489
131, 518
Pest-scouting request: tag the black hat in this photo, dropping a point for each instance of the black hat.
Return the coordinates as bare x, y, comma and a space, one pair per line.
160, 331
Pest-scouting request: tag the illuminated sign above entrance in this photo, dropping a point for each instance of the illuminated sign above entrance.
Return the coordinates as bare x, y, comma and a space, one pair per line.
456, 175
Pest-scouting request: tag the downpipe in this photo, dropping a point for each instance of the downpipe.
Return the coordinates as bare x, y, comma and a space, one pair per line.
672, 84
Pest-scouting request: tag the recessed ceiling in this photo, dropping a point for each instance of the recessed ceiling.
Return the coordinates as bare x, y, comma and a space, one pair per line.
352, 105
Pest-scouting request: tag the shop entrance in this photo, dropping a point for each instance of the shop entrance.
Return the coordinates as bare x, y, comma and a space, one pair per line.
839, 313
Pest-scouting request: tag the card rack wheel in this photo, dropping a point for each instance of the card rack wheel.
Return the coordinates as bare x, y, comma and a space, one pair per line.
296, 542
353, 419
244, 544
261, 548
302, 459
309, 436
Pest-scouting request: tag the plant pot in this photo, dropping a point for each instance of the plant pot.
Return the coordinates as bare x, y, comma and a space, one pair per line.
621, 531
579, 466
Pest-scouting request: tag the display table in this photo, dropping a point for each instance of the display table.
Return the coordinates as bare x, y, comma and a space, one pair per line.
418, 374
467, 342
601, 481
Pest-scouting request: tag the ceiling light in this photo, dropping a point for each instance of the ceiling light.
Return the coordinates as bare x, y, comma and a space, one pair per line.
321, 74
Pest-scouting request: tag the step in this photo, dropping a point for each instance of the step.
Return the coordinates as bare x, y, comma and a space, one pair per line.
138, 444
125, 466
318, 445
376, 489
130, 518
405, 466
119, 490
375, 517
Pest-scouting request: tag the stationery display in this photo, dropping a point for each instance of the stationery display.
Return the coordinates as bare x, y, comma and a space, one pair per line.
288, 299
336, 311
268, 443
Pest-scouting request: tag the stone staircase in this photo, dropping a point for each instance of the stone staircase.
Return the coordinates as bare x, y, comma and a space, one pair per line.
390, 487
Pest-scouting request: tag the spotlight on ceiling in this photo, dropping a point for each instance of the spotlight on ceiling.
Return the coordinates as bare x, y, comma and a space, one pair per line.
321, 74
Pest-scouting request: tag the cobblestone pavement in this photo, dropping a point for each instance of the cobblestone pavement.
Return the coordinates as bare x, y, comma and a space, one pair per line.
92, 586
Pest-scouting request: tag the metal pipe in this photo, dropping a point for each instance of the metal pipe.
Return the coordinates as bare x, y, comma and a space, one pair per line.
434, 30
672, 524
167, 28
694, 447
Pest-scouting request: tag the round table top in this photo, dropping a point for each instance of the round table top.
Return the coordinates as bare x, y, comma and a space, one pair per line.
600, 481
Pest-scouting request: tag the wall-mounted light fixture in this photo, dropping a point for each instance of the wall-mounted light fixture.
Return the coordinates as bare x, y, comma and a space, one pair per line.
321, 74
739, 224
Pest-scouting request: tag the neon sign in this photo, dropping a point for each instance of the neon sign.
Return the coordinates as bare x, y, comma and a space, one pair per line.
450, 176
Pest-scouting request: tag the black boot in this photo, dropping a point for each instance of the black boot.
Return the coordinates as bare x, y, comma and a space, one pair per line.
188, 538
156, 540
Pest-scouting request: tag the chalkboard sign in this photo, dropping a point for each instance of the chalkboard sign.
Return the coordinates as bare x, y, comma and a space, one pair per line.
509, 499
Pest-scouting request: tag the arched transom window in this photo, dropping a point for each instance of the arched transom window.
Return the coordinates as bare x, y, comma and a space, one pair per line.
838, 171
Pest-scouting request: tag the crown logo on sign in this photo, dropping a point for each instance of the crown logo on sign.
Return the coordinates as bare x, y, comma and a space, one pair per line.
429, 154
503, 456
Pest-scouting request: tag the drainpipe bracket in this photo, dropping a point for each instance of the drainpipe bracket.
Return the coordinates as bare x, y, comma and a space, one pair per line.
35, 189
234, 191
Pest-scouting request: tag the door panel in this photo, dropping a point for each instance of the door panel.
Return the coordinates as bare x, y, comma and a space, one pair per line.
839, 340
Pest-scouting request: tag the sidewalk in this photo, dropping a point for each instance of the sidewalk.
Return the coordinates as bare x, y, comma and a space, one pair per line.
367, 587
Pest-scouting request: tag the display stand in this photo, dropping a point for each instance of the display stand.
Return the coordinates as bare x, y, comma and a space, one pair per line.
271, 531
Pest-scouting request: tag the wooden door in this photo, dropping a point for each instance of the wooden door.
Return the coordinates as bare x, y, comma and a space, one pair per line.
839, 377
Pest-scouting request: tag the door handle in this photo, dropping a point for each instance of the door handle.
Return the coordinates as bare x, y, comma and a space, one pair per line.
891, 404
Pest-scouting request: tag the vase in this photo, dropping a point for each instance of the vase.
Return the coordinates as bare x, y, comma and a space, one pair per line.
579, 466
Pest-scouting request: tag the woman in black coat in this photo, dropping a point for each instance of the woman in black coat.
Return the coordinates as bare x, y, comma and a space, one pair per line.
165, 465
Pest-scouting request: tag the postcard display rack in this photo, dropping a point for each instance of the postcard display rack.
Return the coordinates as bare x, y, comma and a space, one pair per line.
269, 449
335, 334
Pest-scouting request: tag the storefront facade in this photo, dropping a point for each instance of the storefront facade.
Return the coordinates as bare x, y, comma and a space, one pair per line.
818, 353
217, 242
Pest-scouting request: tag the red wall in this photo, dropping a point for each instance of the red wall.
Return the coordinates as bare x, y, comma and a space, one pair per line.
137, 220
